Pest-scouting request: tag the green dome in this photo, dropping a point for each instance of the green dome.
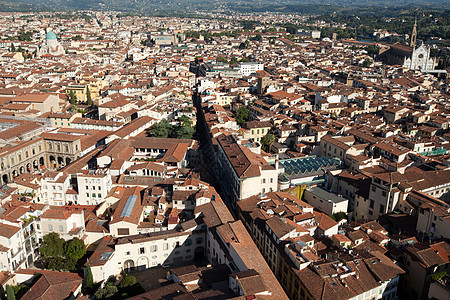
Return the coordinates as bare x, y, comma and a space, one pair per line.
50, 35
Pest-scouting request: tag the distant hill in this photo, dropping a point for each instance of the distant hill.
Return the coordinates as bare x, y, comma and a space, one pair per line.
145, 6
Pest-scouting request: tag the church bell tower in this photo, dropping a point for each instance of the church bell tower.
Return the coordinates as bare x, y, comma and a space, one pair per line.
413, 39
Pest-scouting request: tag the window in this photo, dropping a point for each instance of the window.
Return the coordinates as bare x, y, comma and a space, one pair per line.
128, 253
264, 180
154, 256
154, 248
87, 187
142, 250
370, 212
371, 204
87, 195
384, 193
199, 240
188, 242
123, 231
50, 227
381, 208
61, 228
165, 246
374, 189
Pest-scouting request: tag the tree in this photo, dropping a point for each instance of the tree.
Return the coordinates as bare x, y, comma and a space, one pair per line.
233, 60
435, 276
249, 24
88, 97
74, 249
106, 292
77, 37
52, 246
221, 59
10, 293
243, 45
267, 141
61, 255
444, 62
25, 36
185, 120
339, 216
13, 48
185, 132
242, 115
371, 49
56, 263
127, 281
89, 280
72, 97
161, 129
366, 63
258, 37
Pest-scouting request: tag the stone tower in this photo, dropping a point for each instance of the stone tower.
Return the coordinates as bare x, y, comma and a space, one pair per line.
413, 39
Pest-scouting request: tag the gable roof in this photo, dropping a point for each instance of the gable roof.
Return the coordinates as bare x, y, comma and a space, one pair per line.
54, 285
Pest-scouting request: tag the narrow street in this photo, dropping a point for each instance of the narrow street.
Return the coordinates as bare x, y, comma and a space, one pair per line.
209, 170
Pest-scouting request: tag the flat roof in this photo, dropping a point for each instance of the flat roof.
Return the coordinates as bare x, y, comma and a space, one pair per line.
321, 193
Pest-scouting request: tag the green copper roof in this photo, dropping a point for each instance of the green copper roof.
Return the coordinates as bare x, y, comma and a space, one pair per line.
50, 36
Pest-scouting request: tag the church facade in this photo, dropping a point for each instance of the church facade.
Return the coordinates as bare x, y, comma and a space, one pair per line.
409, 57
420, 59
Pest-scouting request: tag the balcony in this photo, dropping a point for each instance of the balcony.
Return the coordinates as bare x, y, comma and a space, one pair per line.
26, 234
